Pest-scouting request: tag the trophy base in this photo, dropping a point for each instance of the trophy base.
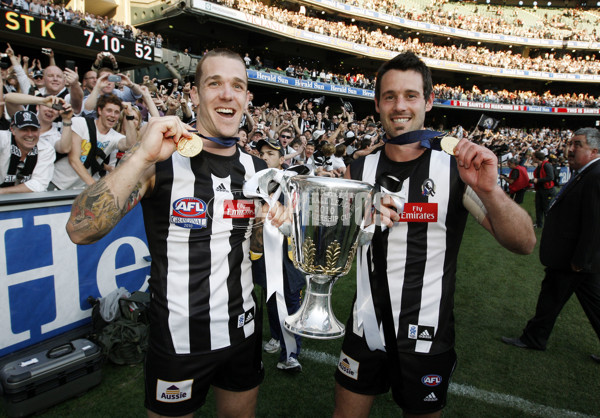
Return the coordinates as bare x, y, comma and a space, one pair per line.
315, 319
336, 331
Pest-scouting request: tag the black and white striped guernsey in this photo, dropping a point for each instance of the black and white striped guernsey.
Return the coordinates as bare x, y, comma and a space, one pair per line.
198, 225
421, 250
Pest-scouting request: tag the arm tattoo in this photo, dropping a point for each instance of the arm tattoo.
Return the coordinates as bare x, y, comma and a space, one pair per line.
97, 210
130, 152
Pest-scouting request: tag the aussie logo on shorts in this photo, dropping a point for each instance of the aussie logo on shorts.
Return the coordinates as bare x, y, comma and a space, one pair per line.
348, 366
173, 391
189, 212
420, 332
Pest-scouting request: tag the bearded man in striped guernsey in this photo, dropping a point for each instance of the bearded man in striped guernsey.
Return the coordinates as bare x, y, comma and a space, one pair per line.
401, 332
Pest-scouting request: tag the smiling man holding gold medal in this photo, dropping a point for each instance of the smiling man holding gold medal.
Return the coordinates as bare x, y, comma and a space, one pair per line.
203, 330
401, 331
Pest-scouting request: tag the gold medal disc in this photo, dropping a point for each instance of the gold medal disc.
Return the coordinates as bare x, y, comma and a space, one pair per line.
190, 147
448, 144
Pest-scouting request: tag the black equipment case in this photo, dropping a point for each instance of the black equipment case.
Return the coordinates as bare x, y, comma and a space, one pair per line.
37, 381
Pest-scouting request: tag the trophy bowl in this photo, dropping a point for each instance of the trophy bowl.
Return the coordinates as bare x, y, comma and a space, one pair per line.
327, 223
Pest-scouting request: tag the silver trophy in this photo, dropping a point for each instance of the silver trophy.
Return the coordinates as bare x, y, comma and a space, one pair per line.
327, 224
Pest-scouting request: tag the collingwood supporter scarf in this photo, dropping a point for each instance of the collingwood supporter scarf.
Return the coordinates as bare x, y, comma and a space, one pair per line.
18, 170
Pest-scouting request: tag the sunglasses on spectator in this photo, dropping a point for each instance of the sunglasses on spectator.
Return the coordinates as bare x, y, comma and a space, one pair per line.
286, 136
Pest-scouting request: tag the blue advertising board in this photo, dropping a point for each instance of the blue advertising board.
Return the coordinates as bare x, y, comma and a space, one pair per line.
45, 279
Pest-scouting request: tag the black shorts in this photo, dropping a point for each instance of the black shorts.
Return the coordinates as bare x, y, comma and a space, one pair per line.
178, 384
424, 378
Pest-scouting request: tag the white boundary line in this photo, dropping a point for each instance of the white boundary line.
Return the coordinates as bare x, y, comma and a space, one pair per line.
492, 398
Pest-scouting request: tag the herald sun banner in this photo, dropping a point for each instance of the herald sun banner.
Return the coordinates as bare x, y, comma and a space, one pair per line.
45, 279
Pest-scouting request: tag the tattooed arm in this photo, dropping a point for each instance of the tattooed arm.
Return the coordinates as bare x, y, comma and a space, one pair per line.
103, 204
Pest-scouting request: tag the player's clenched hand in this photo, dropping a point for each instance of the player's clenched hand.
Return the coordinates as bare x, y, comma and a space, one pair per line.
477, 165
386, 212
160, 137
278, 214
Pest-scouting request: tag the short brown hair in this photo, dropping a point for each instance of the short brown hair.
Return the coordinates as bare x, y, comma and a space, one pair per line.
328, 149
105, 99
218, 52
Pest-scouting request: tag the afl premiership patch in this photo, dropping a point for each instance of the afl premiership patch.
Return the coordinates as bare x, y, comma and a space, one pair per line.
172, 392
189, 212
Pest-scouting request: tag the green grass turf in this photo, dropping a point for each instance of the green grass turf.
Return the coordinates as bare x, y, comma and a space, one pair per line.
495, 296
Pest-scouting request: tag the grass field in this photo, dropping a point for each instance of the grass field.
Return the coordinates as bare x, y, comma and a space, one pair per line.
496, 294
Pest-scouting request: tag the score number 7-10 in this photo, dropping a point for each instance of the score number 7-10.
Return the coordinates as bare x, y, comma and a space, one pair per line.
114, 44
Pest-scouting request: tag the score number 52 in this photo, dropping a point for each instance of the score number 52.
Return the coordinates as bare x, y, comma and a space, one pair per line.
114, 44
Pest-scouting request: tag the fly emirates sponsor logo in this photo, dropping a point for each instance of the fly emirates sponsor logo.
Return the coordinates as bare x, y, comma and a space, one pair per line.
419, 212
238, 209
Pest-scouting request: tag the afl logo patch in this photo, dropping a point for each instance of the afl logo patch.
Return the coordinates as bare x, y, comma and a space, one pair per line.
431, 380
189, 212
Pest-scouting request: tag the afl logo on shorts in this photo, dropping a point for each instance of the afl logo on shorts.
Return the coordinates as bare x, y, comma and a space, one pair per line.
189, 212
431, 380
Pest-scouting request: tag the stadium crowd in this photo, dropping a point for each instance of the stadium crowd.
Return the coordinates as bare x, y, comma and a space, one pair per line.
316, 72
313, 132
552, 61
504, 20
515, 97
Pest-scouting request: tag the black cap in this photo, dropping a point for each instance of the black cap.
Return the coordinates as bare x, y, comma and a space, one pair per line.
271, 143
38, 73
24, 118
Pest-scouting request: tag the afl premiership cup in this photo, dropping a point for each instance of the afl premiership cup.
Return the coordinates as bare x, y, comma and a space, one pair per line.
327, 226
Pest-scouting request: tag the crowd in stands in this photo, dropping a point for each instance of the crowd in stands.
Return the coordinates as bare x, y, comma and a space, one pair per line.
327, 142
59, 133
515, 97
553, 61
442, 91
59, 12
503, 20
76, 131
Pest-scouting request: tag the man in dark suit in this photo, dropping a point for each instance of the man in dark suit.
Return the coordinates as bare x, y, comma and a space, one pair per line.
570, 245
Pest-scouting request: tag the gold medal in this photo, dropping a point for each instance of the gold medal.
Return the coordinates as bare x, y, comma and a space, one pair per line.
448, 144
190, 147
